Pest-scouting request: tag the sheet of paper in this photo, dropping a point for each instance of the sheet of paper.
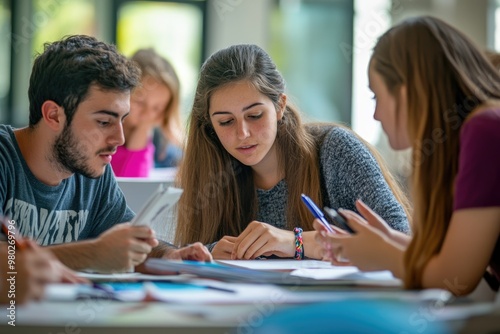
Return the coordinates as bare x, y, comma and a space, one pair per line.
192, 292
96, 277
350, 275
333, 275
281, 265
155, 209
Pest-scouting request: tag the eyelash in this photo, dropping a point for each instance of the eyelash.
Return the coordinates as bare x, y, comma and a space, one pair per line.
226, 123
103, 123
254, 117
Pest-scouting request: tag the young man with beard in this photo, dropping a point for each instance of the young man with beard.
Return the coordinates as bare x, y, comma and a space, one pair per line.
55, 178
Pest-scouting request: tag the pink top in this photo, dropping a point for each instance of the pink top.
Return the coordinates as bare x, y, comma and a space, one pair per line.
127, 163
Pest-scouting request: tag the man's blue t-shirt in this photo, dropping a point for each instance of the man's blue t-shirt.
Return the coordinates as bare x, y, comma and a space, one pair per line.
78, 208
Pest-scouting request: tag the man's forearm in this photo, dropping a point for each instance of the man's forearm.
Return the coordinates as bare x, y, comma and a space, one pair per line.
76, 255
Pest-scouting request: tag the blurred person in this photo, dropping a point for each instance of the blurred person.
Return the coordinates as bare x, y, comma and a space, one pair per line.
153, 132
34, 268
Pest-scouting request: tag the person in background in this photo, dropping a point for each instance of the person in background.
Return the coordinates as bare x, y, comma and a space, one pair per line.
438, 93
249, 157
153, 131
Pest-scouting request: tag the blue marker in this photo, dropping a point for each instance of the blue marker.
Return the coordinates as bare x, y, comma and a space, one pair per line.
317, 213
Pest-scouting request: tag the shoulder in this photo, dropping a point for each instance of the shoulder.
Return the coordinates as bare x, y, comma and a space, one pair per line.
343, 153
482, 126
342, 141
6, 133
478, 179
7, 147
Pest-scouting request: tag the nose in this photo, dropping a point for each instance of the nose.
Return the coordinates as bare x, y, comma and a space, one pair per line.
117, 138
376, 114
242, 130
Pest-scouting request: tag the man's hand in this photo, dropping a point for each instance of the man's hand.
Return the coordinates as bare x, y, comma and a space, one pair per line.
123, 247
194, 252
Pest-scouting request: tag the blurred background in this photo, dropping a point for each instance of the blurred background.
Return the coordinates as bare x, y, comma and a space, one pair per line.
322, 47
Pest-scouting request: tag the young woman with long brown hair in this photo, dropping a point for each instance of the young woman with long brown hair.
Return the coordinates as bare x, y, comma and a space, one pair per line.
436, 92
249, 157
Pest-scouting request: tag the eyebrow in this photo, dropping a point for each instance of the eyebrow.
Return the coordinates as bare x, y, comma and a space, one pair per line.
109, 113
244, 109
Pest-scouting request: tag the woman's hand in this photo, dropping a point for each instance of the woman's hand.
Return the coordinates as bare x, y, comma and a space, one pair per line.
263, 239
330, 249
374, 220
368, 249
224, 248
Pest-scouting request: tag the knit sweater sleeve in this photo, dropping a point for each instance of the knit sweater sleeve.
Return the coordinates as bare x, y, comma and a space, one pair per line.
351, 172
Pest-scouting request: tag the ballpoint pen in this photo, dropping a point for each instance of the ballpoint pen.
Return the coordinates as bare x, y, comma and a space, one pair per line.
317, 213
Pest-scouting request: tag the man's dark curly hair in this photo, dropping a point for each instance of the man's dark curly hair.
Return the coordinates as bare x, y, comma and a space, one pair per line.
67, 68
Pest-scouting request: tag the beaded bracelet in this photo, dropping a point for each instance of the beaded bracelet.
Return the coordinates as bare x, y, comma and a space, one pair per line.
299, 244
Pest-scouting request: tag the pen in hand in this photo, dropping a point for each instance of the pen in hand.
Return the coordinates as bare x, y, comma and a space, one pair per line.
317, 213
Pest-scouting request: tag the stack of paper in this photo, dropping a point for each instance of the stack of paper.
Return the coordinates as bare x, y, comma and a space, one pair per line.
276, 272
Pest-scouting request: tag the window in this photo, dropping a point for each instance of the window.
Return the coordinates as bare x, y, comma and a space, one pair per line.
173, 29
371, 20
67, 18
37, 22
305, 44
5, 24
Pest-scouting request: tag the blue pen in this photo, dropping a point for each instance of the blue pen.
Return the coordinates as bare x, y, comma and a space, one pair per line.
317, 213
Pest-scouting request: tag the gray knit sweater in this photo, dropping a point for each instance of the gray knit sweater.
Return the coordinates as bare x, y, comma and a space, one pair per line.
350, 172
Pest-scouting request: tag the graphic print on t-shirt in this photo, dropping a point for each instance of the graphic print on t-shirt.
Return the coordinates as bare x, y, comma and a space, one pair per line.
44, 226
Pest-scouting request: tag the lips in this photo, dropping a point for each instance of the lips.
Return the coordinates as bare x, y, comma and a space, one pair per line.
246, 149
107, 156
107, 153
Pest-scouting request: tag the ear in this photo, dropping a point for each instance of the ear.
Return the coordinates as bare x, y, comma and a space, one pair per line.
53, 115
282, 106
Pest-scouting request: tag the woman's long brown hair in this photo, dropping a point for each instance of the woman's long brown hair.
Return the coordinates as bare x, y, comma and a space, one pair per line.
446, 78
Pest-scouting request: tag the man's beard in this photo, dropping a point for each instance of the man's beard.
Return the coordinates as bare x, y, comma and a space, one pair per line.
69, 154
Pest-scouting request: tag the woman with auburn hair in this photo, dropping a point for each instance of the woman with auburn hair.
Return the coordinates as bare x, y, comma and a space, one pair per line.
436, 92
153, 130
249, 157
